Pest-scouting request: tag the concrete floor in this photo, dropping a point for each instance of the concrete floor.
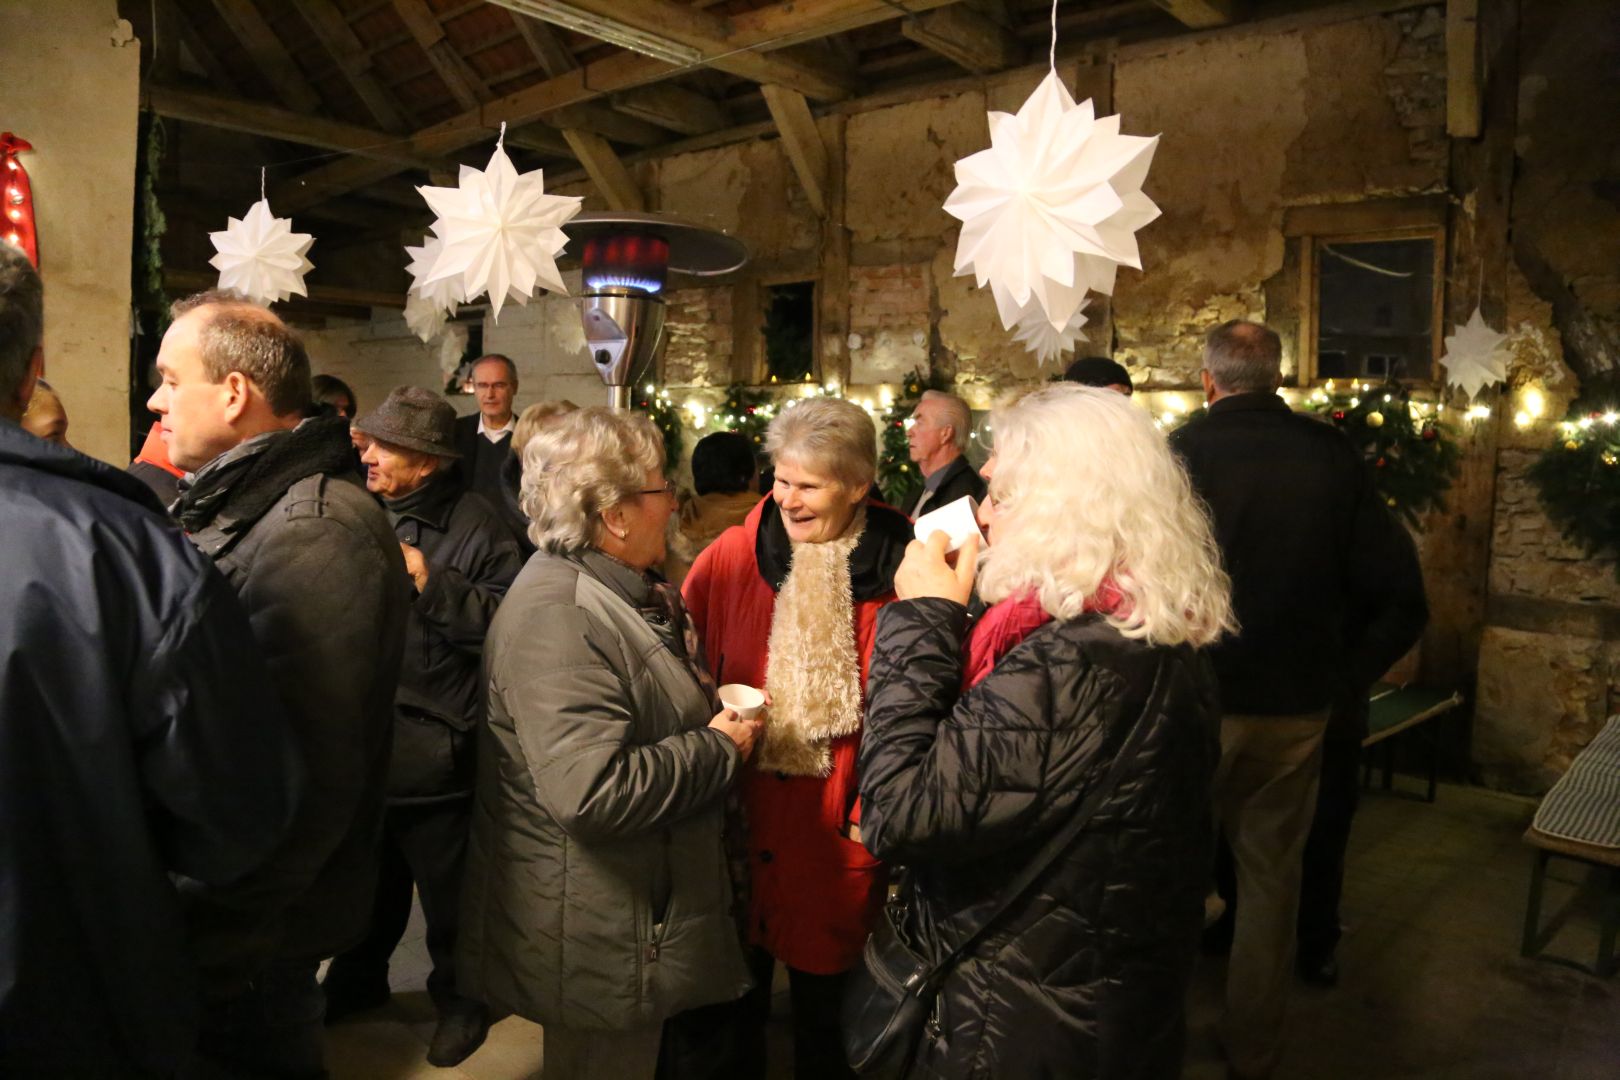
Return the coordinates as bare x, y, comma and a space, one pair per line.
1432, 985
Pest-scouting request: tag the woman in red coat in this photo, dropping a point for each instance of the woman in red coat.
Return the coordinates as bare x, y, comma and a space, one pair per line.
788, 601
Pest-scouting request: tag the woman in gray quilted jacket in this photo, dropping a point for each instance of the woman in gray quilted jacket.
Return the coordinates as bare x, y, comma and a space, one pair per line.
598, 898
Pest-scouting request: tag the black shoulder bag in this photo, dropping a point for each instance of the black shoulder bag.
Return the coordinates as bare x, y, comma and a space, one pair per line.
890, 1001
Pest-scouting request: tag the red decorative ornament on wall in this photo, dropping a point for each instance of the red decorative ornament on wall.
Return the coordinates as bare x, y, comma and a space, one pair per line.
17, 198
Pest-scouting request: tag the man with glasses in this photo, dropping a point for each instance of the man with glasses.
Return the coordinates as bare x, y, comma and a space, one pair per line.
460, 559
484, 439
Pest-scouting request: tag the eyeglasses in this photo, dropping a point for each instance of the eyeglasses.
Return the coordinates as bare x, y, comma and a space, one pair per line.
668, 489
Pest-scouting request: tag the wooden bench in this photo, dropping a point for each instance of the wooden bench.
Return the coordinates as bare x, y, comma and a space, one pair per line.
1393, 710
1579, 820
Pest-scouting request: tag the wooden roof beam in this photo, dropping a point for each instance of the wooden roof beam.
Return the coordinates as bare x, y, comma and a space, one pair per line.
673, 107
1200, 14
463, 83
269, 54
606, 171
801, 140
352, 60
966, 38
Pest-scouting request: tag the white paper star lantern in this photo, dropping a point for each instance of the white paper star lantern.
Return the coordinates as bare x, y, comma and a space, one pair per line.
445, 294
260, 256
1047, 342
1052, 208
425, 318
500, 232
1474, 358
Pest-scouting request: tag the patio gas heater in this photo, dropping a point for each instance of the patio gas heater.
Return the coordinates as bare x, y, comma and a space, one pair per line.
626, 259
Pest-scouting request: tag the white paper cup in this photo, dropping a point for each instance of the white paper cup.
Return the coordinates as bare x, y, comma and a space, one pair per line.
742, 699
957, 520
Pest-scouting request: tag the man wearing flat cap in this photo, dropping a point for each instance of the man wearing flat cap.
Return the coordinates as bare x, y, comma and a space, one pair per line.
460, 556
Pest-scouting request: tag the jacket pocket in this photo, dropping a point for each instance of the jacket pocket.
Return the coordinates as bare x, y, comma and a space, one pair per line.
429, 757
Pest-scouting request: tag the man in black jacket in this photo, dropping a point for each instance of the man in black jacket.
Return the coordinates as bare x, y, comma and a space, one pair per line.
483, 441
461, 557
139, 739
940, 426
311, 555
1308, 545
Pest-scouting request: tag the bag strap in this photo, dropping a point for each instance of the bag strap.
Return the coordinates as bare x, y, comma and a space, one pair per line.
1058, 843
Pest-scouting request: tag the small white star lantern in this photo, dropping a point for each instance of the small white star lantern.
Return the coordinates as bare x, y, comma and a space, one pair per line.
261, 257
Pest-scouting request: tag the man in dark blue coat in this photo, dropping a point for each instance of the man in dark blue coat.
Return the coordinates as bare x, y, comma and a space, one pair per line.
139, 738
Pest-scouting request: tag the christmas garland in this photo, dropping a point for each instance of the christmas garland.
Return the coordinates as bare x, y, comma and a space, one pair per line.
1578, 478
748, 412
897, 477
667, 418
1414, 456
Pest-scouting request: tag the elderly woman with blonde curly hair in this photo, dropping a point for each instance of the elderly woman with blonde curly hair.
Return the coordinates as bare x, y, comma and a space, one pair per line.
598, 897
788, 601
1078, 701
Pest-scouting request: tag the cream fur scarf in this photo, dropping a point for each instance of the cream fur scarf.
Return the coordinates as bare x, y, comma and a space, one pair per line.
814, 674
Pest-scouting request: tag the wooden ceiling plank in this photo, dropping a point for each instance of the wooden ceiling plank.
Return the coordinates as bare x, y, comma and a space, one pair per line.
606, 171
463, 83
1200, 14
545, 43
966, 38
673, 107
269, 54
170, 15
352, 60
802, 141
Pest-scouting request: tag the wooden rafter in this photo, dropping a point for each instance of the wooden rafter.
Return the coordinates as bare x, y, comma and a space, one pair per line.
352, 60
463, 83
610, 125
801, 140
1200, 14
189, 281
269, 54
673, 107
170, 17
965, 37
545, 43
606, 171
787, 21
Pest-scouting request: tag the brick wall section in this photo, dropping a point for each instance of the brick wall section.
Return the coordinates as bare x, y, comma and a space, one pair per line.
697, 324
890, 307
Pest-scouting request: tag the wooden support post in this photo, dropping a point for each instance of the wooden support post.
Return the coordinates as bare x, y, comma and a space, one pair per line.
801, 140
1462, 69
606, 171
832, 292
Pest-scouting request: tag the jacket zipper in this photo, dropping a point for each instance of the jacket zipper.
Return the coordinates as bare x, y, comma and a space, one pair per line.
660, 898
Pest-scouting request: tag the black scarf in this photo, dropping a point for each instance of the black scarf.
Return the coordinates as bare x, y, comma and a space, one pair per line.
872, 564
239, 487
430, 504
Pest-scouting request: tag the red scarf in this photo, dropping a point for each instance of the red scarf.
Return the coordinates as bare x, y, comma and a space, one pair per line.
1005, 624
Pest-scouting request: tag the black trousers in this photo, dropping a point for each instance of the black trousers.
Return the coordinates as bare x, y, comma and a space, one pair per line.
818, 1045
273, 1030
1337, 796
424, 845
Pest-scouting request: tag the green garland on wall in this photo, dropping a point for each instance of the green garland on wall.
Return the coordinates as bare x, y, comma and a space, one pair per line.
897, 476
1578, 477
1413, 454
748, 412
667, 418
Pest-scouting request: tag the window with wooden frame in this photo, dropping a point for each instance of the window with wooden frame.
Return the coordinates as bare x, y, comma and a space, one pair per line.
788, 327
1372, 289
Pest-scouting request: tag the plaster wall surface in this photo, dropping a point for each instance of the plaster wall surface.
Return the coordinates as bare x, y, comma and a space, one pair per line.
71, 74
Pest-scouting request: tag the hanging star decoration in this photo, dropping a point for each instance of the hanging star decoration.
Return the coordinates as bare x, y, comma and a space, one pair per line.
1474, 357
499, 230
427, 307
1047, 342
261, 257
1051, 209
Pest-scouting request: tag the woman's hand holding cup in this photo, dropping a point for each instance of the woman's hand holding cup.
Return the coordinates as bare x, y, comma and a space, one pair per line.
925, 571
741, 718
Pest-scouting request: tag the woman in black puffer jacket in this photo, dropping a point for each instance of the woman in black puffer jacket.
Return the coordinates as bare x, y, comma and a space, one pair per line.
980, 742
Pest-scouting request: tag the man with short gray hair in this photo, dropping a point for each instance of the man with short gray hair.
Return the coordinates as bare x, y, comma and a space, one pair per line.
938, 438
272, 500
1308, 544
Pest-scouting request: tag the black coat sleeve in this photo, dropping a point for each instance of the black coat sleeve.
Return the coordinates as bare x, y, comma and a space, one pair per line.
1387, 606
950, 777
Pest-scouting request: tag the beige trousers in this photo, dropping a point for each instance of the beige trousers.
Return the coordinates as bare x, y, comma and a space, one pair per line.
1265, 796
574, 1054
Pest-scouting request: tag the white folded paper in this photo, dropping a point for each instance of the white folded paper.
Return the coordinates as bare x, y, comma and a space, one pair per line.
957, 520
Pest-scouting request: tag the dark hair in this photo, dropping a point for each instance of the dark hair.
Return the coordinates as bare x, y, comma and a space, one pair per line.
242, 336
1243, 357
1098, 371
722, 463
333, 391
22, 318
511, 368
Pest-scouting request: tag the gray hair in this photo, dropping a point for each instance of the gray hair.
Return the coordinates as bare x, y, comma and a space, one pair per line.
957, 415
828, 435
22, 318
498, 358
1243, 357
239, 335
580, 464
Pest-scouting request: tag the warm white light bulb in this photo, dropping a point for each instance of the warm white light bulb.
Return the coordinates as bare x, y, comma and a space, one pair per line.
1534, 403
1522, 419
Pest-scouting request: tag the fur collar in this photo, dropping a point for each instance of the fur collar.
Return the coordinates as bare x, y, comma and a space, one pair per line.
813, 674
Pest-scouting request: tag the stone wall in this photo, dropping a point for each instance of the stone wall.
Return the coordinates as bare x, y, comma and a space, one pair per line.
72, 90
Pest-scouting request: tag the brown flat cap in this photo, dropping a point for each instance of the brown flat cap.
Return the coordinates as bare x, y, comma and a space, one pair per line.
414, 418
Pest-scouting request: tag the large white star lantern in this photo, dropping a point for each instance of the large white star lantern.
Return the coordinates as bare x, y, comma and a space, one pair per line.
1046, 341
499, 232
1052, 208
1474, 357
427, 307
261, 257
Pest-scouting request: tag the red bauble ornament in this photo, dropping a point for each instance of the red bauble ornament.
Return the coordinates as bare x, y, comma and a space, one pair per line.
17, 198
1380, 463
1338, 414
1430, 434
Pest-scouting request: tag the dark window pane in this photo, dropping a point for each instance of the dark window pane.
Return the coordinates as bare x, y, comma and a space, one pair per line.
1375, 309
790, 330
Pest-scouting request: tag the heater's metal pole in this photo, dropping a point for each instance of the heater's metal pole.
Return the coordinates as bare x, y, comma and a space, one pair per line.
619, 398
